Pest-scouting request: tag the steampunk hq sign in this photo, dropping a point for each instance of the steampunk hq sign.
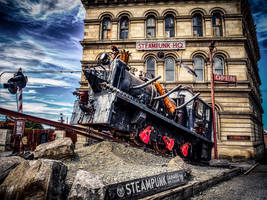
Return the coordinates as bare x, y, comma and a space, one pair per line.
145, 186
161, 45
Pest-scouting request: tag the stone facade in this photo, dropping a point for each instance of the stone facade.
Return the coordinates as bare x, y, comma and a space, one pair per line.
239, 111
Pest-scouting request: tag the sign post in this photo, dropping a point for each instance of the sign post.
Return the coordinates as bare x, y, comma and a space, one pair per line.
211, 48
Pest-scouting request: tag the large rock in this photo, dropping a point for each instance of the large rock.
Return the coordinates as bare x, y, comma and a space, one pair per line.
86, 186
39, 179
179, 163
62, 148
7, 164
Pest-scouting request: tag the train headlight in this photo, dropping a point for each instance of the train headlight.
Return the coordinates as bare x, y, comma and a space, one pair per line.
104, 59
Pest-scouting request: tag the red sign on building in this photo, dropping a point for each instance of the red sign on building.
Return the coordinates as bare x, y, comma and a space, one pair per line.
225, 78
160, 45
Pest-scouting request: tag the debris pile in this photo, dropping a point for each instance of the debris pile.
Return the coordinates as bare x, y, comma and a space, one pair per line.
88, 173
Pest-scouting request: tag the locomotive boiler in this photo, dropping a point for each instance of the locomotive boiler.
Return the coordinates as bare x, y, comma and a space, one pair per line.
139, 109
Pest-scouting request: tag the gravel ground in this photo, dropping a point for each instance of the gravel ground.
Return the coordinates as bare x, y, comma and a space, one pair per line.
114, 162
246, 187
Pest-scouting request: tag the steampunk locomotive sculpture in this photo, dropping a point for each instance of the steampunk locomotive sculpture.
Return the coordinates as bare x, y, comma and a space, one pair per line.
138, 109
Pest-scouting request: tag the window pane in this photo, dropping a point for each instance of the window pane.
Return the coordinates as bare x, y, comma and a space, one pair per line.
219, 65
169, 26
197, 25
151, 21
124, 24
106, 27
199, 68
150, 67
217, 24
151, 32
169, 65
151, 27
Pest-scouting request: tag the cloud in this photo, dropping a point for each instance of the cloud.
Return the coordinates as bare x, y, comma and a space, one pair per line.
47, 82
42, 9
30, 92
6, 96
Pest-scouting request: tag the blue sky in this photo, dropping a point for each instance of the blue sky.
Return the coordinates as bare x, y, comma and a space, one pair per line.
45, 34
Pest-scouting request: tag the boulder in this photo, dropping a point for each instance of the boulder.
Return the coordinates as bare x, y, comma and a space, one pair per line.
38, 179
62, 148
7, 164
86, 186
179, 163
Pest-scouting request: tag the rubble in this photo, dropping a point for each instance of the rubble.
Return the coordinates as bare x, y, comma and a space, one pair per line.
94, 171
59, 149
86, 186
39, 179
179, 163
115, 162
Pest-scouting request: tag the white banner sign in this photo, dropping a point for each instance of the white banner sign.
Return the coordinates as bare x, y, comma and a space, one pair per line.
160, 45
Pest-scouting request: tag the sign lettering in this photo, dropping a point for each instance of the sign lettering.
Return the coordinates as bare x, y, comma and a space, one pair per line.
225, 78
161, 45
145, 186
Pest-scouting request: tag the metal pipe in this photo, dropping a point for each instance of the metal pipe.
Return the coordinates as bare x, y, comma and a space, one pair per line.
167, 94
184, 104
146, 83
211, 48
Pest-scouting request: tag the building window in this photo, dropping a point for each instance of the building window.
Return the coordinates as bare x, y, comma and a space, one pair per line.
197, 25
150, 67
150, 27
219, 65
169, 26
169, 66
106, 28
124, 27
217, 24
199, 68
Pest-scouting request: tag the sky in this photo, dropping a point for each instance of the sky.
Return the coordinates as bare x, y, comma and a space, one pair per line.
40, 35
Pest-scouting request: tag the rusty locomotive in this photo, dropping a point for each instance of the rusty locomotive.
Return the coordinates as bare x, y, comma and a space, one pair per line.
138, 109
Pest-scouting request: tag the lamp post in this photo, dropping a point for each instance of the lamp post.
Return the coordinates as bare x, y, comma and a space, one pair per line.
211, 48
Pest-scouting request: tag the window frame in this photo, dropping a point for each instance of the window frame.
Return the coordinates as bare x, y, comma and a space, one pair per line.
199, 16
165, 66
223, 64
106, 18
169, 27
151, 27
154, 68
124, 29
217, 15
199, 68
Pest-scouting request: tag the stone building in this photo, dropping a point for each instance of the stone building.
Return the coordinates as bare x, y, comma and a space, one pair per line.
183, 31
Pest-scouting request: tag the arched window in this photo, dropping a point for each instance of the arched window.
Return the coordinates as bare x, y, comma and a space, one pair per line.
124, 27
199, 68
197, 25
150, 67
150, 27
169, 26
106, 28
217, 24
219, 65
169, 67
